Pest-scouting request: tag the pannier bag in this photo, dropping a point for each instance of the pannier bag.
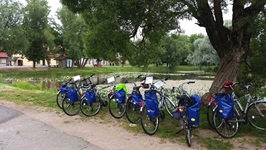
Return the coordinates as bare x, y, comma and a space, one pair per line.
72, 95
120, 93
63, 89
137, 100
151, 103
194, 111
225, 106
90, 96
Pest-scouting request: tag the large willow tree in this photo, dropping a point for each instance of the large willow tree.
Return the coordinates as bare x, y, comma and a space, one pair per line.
155, 17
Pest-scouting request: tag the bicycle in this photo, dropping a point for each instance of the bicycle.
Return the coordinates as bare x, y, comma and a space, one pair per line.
188, 110
150, 113
212, 103
92, 102
254, 113
135, 102
117, 98
74, 94
62, 92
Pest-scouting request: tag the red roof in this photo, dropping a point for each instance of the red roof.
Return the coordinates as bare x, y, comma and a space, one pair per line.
3, 55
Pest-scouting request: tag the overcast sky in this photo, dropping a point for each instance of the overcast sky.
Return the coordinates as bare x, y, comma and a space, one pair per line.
188, 26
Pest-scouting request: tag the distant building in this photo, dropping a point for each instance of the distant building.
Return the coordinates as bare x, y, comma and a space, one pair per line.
3, 59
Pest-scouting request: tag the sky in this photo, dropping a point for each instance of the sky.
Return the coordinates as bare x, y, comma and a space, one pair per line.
189, 26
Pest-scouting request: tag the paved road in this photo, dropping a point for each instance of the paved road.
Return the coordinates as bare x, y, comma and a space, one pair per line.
21, 132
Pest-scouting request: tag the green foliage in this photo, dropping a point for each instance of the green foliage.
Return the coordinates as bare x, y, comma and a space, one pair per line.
36, 26
12, 37
175, 50
204, 53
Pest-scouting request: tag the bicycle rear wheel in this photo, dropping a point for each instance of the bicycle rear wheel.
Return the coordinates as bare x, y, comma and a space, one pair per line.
59, 99
149, 124
226, 128
132, 112
90, 109
117, 110
256, 115
69, 108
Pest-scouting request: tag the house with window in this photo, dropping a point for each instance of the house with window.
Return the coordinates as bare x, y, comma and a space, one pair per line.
3, 59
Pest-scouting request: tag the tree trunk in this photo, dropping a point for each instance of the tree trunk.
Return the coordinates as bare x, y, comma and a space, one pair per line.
228, 71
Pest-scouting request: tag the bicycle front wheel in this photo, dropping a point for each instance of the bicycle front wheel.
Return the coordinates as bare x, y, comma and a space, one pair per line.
117, 110
90, 109
149, 124
70, 108
132, 112
226, 128
188, 135
256, 115
210, 112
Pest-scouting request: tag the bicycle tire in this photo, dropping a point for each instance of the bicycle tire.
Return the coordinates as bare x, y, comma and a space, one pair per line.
117, 110
227, 128
257, 118
71, 109
149, 124
90, 109
59, 99
209, 114
132, 112
188, 135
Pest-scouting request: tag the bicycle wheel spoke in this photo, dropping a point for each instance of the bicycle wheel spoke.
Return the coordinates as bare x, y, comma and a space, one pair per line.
149, 124
69, 108
257, 115
132, 112
225, 128
117, 110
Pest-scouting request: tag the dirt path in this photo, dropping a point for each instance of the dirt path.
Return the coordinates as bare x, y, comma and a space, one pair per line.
104, 135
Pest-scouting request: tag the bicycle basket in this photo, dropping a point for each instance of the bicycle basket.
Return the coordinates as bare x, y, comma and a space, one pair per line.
225, 106
194, 111
179, 112
72, 95
184, 100
90, 96
137, 100
152, 103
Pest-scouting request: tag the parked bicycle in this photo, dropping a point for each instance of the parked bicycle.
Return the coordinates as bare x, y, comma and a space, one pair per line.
117, 98
74, 94
135, 100
150, 112
212, 103
92, 102
188, 111
230, 113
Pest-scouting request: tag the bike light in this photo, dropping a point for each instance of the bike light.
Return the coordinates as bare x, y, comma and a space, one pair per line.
141, 104
210, 99
214, 104
181, 108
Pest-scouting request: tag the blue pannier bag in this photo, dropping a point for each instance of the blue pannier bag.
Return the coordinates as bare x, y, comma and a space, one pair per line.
225, 106
137, 99
63, 89
90, 96
151, 103
194, 111
121, 96
72, 95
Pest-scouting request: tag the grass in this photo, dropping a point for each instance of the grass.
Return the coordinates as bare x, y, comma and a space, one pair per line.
33, 93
